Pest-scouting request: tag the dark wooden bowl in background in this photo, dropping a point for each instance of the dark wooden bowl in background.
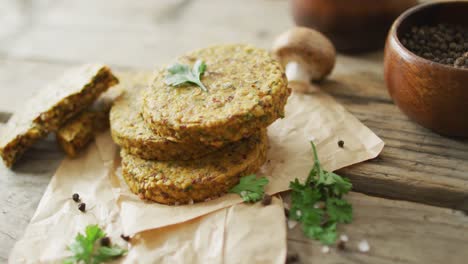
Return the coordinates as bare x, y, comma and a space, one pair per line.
352, 25
432, 94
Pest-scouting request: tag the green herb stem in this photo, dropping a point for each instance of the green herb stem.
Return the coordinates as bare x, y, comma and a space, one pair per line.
318, 203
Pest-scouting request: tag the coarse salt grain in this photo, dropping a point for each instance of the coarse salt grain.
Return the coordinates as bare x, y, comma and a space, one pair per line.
364, 246
291, 224
344, 238
325, 249
264, 170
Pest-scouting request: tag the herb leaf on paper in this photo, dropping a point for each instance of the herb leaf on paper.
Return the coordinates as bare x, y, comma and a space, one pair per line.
86, 248
318, 203
250, 188
181, 74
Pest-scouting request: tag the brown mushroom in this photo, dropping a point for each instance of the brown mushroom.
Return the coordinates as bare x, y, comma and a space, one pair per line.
306, 54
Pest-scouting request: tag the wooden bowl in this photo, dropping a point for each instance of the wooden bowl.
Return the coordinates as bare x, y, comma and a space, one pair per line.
432, 94
352, 25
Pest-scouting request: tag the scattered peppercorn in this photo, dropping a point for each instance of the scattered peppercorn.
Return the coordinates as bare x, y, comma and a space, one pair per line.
105, 242
341, 143
82, 207
341, 245
443, 43
124, 237
292, 258
266, 200
76, 197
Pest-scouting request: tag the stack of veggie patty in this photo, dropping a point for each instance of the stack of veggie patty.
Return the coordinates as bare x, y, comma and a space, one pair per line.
182, 144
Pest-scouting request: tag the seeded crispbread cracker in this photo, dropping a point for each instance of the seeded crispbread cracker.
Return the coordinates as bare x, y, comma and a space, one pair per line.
179, 182
77, 133
247, 91
51, 107
132, 133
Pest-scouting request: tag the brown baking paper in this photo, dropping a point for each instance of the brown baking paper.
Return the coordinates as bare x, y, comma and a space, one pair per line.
227, 235
200, 231
238, 234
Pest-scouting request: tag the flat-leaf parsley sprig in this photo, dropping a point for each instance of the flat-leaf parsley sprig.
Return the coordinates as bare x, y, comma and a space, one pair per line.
318, 204
182, 74
87, 249
250, 188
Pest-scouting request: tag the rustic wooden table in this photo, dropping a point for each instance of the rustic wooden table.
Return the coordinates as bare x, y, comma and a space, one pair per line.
39, 39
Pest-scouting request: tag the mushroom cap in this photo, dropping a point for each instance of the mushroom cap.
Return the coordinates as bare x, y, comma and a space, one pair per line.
307, 47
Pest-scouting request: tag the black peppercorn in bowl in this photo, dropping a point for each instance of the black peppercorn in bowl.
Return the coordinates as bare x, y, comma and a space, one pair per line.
425, 67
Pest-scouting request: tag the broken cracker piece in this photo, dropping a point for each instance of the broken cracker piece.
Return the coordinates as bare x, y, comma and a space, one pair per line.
77, 133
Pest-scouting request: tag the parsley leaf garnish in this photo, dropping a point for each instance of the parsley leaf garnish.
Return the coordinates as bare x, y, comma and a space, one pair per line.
182, 74
86, 248
250, 188
318, 203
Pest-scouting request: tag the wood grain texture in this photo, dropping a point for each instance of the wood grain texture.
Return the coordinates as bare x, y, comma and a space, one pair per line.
150, 32
15, 88
21, 190
418, 165
397, 232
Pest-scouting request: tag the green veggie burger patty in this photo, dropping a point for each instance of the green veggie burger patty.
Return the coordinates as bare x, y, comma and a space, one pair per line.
130, 131
247, 91
51, 107
180, 182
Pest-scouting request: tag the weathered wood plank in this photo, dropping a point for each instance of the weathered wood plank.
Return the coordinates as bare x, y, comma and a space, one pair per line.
20, 79
397, 232
143, 33
21, 190
416, 164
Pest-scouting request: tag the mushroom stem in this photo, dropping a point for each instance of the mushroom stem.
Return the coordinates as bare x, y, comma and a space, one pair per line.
296, 73
306, 54
298, 77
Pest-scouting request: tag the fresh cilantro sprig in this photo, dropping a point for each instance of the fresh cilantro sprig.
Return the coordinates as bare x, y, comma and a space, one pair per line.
182, 74
250, 188
86, 248
318, 204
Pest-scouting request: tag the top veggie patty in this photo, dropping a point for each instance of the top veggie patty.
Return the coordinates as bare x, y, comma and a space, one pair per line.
131, 133
247, 91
